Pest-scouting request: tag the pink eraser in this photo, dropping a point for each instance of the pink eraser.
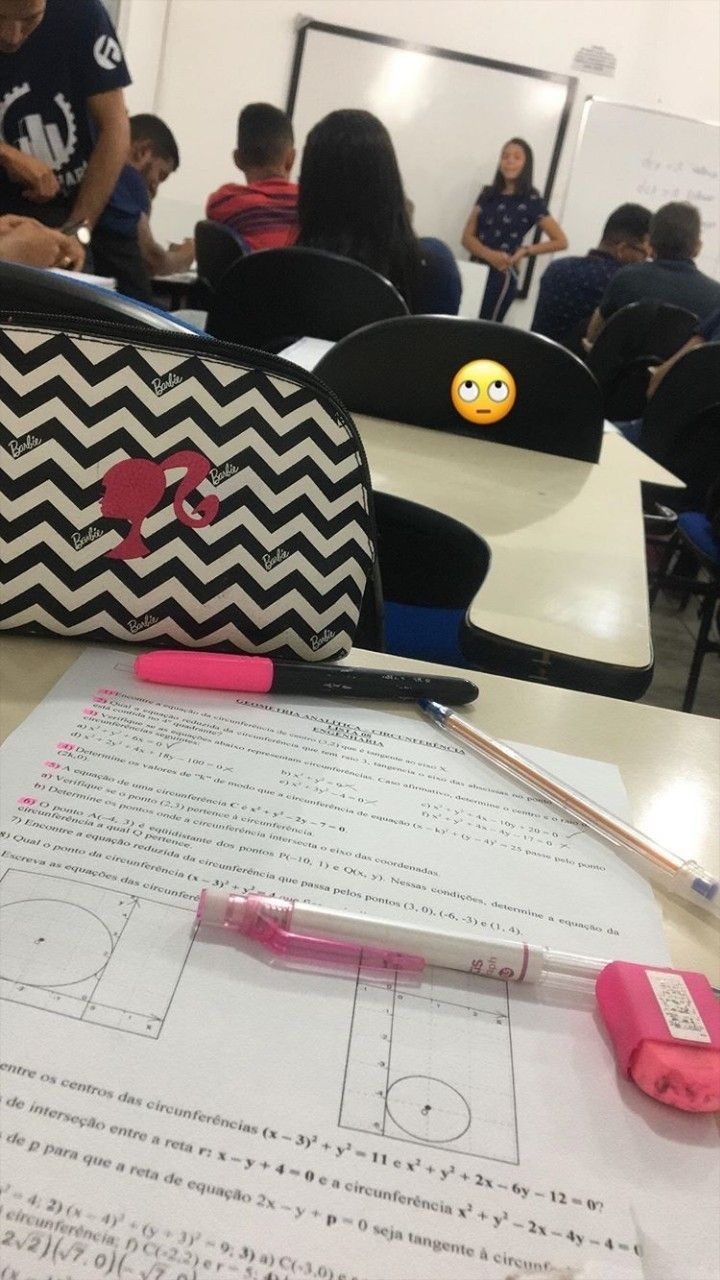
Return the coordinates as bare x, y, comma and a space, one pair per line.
665, 1028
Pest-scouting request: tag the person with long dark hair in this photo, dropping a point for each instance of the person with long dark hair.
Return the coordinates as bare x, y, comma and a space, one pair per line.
351, 202
501, 217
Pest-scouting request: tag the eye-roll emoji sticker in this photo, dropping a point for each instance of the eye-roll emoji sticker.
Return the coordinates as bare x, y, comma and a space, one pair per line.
483, 392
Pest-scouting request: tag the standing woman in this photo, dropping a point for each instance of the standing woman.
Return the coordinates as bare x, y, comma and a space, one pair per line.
501, 218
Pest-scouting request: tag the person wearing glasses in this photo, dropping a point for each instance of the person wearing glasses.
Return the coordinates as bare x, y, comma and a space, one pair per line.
671, 276
571, 288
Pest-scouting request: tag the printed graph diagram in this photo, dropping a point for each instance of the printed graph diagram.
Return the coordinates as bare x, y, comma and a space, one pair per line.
432, 1064
89, 953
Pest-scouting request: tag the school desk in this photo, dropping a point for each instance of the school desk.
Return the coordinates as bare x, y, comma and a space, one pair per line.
177, 286
566, 593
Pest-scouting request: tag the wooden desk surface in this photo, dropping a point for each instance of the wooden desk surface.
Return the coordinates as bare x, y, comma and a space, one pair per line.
567, 571
670, 762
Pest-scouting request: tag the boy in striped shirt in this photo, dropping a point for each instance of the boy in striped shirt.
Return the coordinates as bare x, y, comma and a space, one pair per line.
262, 213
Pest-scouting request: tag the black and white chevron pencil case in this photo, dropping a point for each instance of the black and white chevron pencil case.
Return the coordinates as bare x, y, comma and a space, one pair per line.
158, 487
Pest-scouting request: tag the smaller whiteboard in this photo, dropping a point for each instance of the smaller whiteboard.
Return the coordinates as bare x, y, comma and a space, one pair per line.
647, 157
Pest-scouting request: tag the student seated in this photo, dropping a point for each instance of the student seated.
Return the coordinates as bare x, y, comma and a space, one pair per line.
264, 212
571, 288
123, 244
352, 203
671, 276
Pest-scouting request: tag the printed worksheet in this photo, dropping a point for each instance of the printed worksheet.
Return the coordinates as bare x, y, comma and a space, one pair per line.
176, 1104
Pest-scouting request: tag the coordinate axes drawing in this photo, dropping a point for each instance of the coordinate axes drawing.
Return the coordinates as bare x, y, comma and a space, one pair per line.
433, 1064
90, 953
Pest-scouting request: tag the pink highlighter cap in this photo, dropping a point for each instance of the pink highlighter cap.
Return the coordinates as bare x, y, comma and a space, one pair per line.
197, 670
665, 1028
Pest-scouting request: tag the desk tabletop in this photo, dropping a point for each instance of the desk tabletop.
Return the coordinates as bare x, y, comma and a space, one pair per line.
177, 277
670, 762
624, 458
567, 571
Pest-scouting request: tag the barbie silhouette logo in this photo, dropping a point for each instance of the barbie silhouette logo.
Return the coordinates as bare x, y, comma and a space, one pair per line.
134, 488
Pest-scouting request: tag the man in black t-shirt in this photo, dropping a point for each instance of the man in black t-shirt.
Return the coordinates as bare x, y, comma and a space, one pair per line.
671, 276
64, 131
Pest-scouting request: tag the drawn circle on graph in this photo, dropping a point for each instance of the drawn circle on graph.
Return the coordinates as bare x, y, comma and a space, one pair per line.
427, 1109
47, 942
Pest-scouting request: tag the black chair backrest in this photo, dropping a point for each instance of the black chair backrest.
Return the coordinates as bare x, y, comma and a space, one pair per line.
402, 369
216, 249
28, 289
637, 336
681, 426
425, 557
270, 298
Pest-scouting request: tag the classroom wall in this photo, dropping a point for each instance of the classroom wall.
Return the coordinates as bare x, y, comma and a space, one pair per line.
142, 27
219, 54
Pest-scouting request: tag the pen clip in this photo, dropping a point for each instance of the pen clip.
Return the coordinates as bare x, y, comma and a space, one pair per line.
328, 951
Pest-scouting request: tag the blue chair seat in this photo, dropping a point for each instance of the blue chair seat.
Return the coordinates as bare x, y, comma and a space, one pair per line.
698, 530
430, 635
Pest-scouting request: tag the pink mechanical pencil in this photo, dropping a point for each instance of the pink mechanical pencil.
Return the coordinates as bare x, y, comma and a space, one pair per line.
664, 1023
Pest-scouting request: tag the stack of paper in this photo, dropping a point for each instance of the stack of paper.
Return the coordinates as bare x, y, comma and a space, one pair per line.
101, 282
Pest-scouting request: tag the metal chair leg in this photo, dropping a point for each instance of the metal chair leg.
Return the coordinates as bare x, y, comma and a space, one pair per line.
657, 579
709, 602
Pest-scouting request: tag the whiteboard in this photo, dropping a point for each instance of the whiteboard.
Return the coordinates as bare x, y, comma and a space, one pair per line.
447, 113
635, 154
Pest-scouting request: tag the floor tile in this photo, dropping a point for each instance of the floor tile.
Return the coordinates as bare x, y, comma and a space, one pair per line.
673, 642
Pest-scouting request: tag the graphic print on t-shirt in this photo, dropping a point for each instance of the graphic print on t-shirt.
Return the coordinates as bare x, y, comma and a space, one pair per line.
107, 53
52, 138
47, 87
133, 488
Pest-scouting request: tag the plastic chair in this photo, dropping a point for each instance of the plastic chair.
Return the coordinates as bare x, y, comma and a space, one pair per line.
681, 427
696, 539
402, 369
634, 338
431, 567
271, 298
28, 289
217, 248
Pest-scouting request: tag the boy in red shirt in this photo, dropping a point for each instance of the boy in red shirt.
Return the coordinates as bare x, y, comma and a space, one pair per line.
263, 213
